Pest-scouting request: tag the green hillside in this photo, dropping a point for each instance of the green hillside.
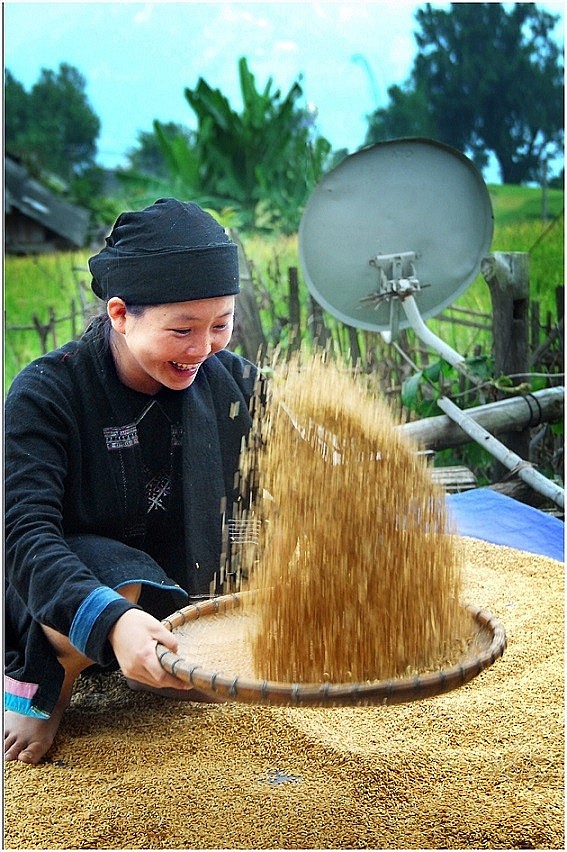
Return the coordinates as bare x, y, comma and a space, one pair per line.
513, 204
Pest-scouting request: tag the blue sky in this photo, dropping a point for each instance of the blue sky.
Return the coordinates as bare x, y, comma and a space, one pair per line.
137, 58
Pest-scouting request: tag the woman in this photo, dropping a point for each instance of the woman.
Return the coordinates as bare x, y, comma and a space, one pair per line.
121, 453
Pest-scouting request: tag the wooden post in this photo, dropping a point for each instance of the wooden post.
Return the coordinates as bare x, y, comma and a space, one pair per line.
73, 320
316, 323
294, 311
560, 302
248, 332
354, 346
507, 276
43, 331
534, 312
53, 326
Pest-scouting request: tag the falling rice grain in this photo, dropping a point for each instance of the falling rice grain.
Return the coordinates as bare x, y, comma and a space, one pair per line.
359, 577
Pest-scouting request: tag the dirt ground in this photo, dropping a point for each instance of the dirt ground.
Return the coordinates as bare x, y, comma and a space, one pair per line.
479, 768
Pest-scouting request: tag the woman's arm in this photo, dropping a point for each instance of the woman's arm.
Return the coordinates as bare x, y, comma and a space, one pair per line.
41, 436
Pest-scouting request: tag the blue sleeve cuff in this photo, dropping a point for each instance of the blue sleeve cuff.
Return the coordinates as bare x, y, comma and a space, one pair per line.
87, 614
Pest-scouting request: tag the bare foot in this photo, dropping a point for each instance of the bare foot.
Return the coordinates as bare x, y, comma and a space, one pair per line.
27, 738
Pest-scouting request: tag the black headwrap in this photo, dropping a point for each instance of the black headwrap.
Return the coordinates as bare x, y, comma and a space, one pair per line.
172, 251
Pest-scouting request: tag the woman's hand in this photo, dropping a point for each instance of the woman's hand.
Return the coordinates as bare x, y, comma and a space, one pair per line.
133, 639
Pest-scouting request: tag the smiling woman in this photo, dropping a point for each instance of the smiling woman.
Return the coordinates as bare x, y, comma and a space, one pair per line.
165, 345
121, 453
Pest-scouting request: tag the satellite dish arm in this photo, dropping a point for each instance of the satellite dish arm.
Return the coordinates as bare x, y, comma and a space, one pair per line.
425, 334
398, 281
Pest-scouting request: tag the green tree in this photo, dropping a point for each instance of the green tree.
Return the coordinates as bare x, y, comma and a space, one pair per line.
484, 80
256, 167
52, 129
170, 164
16, 114
148, 157
407, 114
263, 161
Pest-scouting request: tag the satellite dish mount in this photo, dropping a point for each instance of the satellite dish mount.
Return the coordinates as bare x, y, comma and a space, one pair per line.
398, 282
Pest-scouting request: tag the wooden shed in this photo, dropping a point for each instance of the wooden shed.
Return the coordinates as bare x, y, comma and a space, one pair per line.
36, 220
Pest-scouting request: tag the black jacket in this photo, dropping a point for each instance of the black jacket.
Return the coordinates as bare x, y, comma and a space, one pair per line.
71, 468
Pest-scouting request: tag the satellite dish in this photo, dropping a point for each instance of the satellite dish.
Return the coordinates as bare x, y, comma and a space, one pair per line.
394, 233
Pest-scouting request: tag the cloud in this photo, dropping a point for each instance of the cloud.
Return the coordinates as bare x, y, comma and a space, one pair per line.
286, 46
235, 13
144, 15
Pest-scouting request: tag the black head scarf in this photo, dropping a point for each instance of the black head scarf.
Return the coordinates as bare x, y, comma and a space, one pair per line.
172, 251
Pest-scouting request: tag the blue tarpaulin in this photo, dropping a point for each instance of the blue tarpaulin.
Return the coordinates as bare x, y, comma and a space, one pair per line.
493, 517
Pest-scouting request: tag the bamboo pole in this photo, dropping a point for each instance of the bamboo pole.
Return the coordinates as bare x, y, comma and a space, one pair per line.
526, 472
518, 412
294, 308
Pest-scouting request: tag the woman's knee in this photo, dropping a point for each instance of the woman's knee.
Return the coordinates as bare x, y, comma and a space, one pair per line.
61, 643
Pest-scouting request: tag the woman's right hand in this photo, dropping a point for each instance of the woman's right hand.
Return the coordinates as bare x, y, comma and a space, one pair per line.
133, 639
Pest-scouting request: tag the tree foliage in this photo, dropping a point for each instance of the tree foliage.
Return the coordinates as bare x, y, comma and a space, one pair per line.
52, 128
406, 115
256, 166
484, 80
246, 151
147, 156
170, 164
260, 163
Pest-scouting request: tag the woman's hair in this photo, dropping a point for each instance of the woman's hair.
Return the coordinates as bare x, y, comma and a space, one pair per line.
101, 321
137, 310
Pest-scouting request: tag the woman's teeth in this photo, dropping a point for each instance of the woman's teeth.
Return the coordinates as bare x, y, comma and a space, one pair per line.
186, 367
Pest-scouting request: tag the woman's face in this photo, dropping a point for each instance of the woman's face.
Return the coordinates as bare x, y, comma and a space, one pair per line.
166, 344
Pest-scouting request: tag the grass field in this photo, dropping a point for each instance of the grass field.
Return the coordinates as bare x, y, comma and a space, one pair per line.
34, 286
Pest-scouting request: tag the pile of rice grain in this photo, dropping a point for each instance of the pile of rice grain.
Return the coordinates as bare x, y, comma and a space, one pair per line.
359, 578
479, 768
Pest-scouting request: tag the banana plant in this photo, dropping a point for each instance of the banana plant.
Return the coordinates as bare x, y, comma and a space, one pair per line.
259, 158
256, 168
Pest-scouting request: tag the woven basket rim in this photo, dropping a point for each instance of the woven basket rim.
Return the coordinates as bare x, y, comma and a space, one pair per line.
379, 692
